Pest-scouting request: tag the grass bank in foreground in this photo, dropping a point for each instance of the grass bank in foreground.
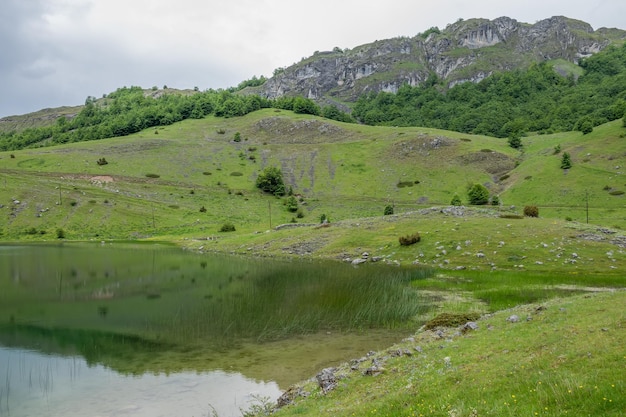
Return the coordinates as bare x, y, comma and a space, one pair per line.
562, 357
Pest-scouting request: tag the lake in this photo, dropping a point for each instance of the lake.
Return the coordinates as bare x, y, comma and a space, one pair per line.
112, 329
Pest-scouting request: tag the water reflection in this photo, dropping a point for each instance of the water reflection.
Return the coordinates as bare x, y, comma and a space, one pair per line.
32, 383
140, 314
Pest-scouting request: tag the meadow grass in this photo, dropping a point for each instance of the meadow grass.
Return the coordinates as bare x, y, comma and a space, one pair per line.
540, 366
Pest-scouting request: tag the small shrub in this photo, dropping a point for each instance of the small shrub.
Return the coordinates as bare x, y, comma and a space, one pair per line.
388, 210
31, 231
236, 174
495, 200
192, 192
12, 156
152, 175
465, 140
606, 188
478, 194
324, 219
568, 219
456, 201
207, 173
504, 177
486, 150
566, 161
292, 204
409, 239
221, 131
227, 227
299, 213
102, 161
557, 149
237, 137
60, 234
73, 203
616, 192
531, 211
202, 209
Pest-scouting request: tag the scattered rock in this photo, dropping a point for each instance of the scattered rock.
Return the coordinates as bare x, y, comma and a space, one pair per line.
470, 325
513, 318
327, 380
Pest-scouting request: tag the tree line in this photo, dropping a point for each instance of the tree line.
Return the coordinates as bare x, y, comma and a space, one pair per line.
507, 104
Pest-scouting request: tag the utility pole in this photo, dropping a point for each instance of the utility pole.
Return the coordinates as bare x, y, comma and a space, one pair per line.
587, 204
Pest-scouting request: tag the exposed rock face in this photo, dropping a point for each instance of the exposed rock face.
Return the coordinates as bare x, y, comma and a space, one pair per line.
468, 50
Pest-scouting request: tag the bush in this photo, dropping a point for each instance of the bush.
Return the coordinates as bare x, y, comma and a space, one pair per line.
495, 200
227, 227
566, 161
456, 201
60, 234
409, 239
531, 211
271, 181
101, 161
478, 194
152, 175
388, 211
616, 192
202, 209
237, 137
324, 219
292, 204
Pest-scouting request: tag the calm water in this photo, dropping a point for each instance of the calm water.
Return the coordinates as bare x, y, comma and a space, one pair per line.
151, 330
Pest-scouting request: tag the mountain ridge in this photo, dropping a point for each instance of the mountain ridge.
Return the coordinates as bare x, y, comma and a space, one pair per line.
467, 50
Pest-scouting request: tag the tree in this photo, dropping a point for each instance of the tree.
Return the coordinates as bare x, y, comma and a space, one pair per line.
566, 161
388, 210
515, 141
271, 181
478, 194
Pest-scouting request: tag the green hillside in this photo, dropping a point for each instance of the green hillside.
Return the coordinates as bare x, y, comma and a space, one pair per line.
156, 182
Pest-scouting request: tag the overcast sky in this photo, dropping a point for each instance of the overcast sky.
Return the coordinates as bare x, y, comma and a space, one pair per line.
58, 52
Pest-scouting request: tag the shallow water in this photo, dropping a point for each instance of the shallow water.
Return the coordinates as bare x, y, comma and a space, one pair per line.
36, 384
150, 330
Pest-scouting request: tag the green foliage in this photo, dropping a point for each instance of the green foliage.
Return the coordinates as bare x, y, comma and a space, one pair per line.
202, 209
271, 181
409, 239
102, 161
478, 194
456, 201
305, 106
227, 227
531, 211
292, 204
388, 210
150, 175
324, 218
509, 104
495, 200
60, 233
557, 149
237, 137
566, 161
515, 142
332, 112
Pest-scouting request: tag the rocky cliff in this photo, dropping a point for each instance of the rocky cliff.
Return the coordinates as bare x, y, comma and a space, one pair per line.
468, 50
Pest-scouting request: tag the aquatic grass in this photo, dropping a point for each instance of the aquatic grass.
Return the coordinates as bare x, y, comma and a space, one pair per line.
300, 299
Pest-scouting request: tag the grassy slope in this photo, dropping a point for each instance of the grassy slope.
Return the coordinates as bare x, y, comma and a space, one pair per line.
348, 172
564, 359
